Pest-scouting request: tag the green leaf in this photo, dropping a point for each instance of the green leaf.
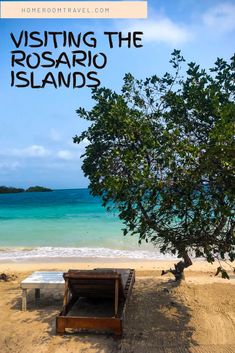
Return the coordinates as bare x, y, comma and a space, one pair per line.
161, 153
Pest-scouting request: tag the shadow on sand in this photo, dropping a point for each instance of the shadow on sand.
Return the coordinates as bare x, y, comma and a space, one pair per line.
156, 321
41, 317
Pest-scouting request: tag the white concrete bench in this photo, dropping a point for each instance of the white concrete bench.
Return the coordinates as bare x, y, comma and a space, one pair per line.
41, 280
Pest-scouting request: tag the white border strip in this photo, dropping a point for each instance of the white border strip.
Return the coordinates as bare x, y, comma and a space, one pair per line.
73, 9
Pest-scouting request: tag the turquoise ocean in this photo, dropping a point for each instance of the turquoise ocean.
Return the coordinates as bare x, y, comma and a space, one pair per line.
63, 224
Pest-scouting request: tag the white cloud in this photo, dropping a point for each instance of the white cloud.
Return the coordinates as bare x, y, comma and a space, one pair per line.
31, 151
220, 18
66, 155
5, 165
163, 30
38, 151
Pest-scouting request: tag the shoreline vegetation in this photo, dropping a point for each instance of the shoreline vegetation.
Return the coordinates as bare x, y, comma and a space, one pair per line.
13, 190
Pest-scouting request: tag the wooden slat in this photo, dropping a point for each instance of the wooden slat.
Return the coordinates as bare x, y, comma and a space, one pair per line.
128, 290
97, 323
66, 296
69, 305
91, 275
97, 283
116, 299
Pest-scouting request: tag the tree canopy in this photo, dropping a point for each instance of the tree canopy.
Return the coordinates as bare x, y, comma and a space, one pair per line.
161, 153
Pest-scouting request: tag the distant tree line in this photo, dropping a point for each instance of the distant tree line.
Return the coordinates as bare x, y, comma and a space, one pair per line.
12, 190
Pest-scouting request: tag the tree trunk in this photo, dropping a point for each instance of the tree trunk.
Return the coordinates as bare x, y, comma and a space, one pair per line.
178, 272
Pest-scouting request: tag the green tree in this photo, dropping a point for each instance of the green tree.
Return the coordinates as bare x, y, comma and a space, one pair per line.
160, 153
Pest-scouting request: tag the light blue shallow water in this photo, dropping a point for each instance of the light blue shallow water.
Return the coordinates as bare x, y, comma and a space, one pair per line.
69, 222
58, 218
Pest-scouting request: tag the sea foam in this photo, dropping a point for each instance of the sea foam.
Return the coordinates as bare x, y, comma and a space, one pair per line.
20, 254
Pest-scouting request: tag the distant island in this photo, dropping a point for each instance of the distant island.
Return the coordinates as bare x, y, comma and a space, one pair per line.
8, 190
12, 190
37, 189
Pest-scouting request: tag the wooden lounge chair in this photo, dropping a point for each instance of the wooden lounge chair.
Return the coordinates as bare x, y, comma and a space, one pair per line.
110, 286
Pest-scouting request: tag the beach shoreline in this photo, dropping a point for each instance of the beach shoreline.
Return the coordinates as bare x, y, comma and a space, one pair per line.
199, 269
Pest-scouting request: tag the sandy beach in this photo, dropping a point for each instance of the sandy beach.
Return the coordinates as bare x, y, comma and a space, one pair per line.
197, 316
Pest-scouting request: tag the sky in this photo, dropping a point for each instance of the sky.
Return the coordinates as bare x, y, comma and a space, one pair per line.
37, 125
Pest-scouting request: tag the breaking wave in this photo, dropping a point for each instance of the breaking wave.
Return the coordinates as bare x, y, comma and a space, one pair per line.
20, 254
